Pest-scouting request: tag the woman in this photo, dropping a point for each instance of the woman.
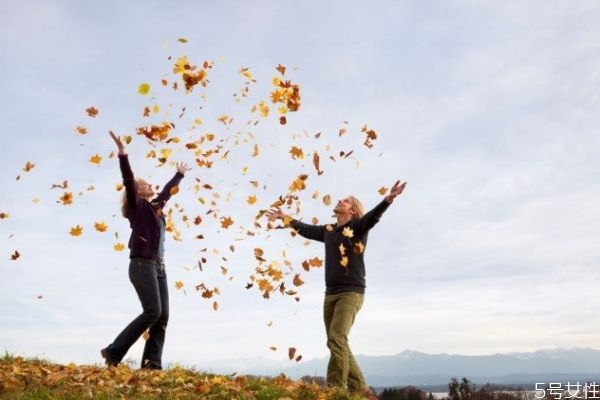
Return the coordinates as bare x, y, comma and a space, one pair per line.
146, 266
345, 243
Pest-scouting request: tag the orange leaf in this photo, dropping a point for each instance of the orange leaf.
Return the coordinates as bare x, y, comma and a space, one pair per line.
297, 153
174, 190
297, 280
251, 199
383, 190
76, 231
178, 285
119, 247
215, 305
100, 226
4, 215
92, 111
28, 166
82, 130
67, 198
226, 222
281, 69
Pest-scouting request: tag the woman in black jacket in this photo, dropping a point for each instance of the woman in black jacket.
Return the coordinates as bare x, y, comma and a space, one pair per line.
146, 266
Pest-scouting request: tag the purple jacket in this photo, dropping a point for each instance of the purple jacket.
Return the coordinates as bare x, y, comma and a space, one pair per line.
143, 215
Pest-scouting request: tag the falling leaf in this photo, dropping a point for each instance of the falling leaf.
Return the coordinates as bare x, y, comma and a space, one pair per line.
263, 108
92, 111
144, 89
76, 231
283, 120
291, 353
178, 285
96, 159
15, 255
256, 151
100, 226
66, 198
273, 348
297, 153
348, 232
297, 280
82, 130
28, 166
63, 185
298, 358
226, 222
182, 40
119, 247
299, 183
383, 190
327, 200
316, 162
281, 69
215, 305
4, 215
251, 199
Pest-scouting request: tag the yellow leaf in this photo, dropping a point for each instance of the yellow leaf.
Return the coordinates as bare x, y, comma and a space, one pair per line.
100, 226
182, 40
28, 166
178, 285
76, 231
383, 190
96, 159
256, 151
263, 108
342, 249
119, 247
348, 232
327, 200
144, 89
215, 305
344, 262
251, 199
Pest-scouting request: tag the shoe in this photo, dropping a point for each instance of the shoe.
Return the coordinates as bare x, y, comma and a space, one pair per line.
107, 360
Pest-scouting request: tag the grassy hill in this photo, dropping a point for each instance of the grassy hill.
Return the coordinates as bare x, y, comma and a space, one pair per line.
22, 378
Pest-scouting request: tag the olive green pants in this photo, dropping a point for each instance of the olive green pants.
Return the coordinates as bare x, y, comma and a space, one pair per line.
339, 311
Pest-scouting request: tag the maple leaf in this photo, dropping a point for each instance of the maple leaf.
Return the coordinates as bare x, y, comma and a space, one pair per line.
348, 232
358, 248
327, 200
299, 183
92, 112
178, 285
281, 69
28, 166
226, 222
342, 249
82, 130
251, 200
96, 159
76, 231
144, 89
263, 109
297, 153
67, 198
4, 215
15, 255
119, 247
100, 226
383, 190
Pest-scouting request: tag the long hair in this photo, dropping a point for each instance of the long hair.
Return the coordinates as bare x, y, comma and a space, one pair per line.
124, 203
357, 207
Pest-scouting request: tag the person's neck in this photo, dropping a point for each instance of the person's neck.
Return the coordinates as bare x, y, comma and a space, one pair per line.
342, 219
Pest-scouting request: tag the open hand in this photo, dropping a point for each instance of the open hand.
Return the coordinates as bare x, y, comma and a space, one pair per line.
118, 142
395, 191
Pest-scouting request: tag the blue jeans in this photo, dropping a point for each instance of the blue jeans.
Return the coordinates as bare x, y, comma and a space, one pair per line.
150, 282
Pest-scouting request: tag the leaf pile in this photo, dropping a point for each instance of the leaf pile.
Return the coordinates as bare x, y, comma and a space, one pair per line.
22, 378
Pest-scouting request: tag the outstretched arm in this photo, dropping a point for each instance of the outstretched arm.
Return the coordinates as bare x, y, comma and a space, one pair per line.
118, 142
126, 172
395, 191
167, 191
313, 232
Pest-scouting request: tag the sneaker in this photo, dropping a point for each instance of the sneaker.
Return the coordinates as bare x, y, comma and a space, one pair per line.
107, 360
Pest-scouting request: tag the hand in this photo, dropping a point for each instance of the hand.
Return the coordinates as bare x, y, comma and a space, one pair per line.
182, 168
118, 141
395, 191
274, 214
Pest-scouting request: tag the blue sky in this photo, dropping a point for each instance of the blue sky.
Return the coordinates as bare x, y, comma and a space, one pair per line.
488, 109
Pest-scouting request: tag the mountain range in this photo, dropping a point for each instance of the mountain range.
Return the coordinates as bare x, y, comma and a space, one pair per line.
422, 369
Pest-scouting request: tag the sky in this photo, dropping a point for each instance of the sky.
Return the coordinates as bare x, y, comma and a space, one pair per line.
489, 110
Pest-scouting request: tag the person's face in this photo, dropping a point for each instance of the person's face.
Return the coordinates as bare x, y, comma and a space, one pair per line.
144, 189
344, 207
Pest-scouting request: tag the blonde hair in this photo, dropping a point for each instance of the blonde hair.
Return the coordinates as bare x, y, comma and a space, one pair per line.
357, 207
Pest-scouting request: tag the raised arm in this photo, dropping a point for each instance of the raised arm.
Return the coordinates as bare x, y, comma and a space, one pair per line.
372, 217
167, 191
126, 171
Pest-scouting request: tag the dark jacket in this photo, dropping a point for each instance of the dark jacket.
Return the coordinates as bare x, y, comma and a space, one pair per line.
144, 216
351, 278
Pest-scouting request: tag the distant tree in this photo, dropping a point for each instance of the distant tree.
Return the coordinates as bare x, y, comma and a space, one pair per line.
462, 390
403, 393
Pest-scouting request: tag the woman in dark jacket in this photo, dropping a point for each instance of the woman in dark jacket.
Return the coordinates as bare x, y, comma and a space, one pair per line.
146, 266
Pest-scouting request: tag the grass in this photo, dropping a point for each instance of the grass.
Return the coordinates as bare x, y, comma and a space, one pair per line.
28, 379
